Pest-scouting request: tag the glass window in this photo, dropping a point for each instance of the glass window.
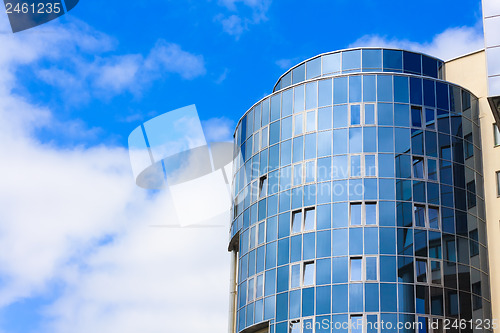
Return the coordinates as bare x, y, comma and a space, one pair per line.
370, 166
372, 59
468, 147
298, 174
310, 171
355, 165
432, 169
325, 119
311, 121
498, 183
356, 324
356, 114
297, 221
371, 268
294, 327
299, 74
298, 99
351, 60
371, 213
419, 213
430, 118
418, 167
393, 59
313, 68
416, 116
309, 269
369, 114
312, 95
436, 272
355, 217
325, 93
421, 266
263, 186
295, 276
309, 220
433, 218
496, 135
356, 269
299, 124
331, 63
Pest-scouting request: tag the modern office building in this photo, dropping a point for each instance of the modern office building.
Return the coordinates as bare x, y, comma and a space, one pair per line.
359, 197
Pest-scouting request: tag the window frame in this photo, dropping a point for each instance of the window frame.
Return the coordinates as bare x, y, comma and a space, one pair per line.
303, 212
363, 205
364, 278
302, 271
496, 136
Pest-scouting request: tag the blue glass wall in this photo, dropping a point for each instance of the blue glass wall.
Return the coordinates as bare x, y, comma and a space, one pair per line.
360, 197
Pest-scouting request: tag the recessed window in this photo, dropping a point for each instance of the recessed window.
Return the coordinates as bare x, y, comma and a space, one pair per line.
418, 167
263, 186
416, 116
433, 218
496, 135
363, 269
468, 146
294, 326
371, 213
419, 214
426, 217
356, 269
356, 324
356, 214
304, 220
297, 221
309, 268
498, 183
363, 213
309, 219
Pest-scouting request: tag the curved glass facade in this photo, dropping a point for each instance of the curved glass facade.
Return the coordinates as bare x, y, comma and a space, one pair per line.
359, 197
362, 60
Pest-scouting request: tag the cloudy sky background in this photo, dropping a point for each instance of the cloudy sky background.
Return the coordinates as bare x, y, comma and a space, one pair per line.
77, 250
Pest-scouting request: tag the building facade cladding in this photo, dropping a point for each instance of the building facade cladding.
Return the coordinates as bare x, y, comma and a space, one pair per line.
358, 194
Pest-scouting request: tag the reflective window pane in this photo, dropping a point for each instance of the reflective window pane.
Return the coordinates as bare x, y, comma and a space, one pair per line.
355, 114
371, 269
310, 217
419, 214
356, 214
297, 221
356, 269
309, 269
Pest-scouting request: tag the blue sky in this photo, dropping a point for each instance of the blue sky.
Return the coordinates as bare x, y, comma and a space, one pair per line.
240, 59
72, 90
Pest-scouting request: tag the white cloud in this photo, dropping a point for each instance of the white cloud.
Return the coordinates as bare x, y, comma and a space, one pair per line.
58, 205
88, 67
218, 129
449, 44
247, 13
